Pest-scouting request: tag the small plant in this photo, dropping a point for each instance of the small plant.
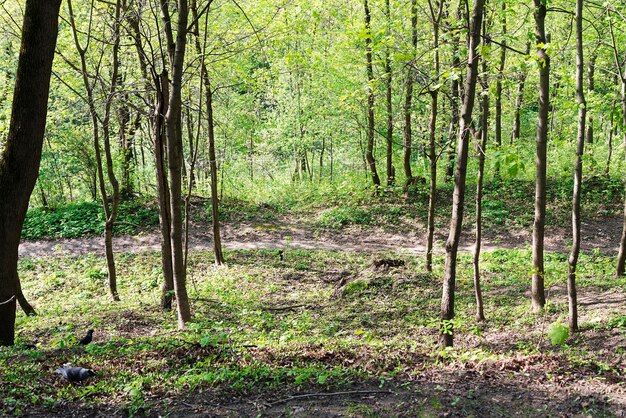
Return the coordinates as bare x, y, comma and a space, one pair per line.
558, 333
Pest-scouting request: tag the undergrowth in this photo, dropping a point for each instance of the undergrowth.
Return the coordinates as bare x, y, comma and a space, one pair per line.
299, 319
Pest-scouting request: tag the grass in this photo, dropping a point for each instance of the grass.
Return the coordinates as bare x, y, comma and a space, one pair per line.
265, 324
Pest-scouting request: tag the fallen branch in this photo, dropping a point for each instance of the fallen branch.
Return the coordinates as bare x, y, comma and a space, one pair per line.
292, 307
327, 394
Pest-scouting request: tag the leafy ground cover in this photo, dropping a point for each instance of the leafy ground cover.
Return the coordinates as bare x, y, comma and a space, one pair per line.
315, 333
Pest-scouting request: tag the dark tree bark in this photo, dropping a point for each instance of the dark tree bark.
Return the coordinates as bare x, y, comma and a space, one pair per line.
174, 148
578, 172
369, 153
460, 175
455, 96
436, 13
217, 238
519, 100
408, 100
538, 292
481, 148
391, 170
21, 155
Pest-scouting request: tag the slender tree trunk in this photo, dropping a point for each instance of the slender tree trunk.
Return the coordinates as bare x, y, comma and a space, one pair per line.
621, 255
519, 100
538, 291
609, 145
481, 149
408, 100
369, 154
391, 171
458, 198
110, 211
578, 172
455, 95
217, 240
165, 218
436, 12
590, 87
175, 155
498, 105
21, 153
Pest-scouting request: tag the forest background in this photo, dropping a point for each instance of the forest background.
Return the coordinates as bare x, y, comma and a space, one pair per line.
337, 116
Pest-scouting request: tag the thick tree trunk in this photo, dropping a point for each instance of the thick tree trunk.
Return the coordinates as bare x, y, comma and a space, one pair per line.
538, 291
21, 155
458, 198
369, 154
578, 172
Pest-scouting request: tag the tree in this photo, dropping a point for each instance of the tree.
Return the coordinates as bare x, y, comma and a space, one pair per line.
436, 9
460, 175
578, 171
543, 60
173, 135
408, 100
369, 154
21, 155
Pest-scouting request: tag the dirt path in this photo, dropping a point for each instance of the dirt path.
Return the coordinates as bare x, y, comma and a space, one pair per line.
601, 234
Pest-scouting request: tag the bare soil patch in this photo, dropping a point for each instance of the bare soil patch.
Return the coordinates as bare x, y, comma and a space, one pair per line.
602, 234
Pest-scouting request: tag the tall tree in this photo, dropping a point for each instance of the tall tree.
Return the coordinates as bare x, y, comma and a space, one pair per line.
21, 154
578, 171
500, 77
543, 60
110, 203
391, 170
204, 73
436, 9
172, 118
519, 100
369, 153
408, 100
460, 175
481, 148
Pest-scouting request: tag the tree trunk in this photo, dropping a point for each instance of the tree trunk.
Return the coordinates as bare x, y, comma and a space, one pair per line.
578, 172
408, 134
519, 100
436, 12
481, 148
21, 154
175, 155
369, 154
455, 96
391, 171
498, 105
590, 87
458, 199
538, 291
158, 132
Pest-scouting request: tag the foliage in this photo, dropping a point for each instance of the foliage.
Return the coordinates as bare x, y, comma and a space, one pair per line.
86, 219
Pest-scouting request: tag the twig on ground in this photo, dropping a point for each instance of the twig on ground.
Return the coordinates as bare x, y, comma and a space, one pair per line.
326, 394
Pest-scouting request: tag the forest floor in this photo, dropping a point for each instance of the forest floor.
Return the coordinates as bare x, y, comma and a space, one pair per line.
289, 233
322, 333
